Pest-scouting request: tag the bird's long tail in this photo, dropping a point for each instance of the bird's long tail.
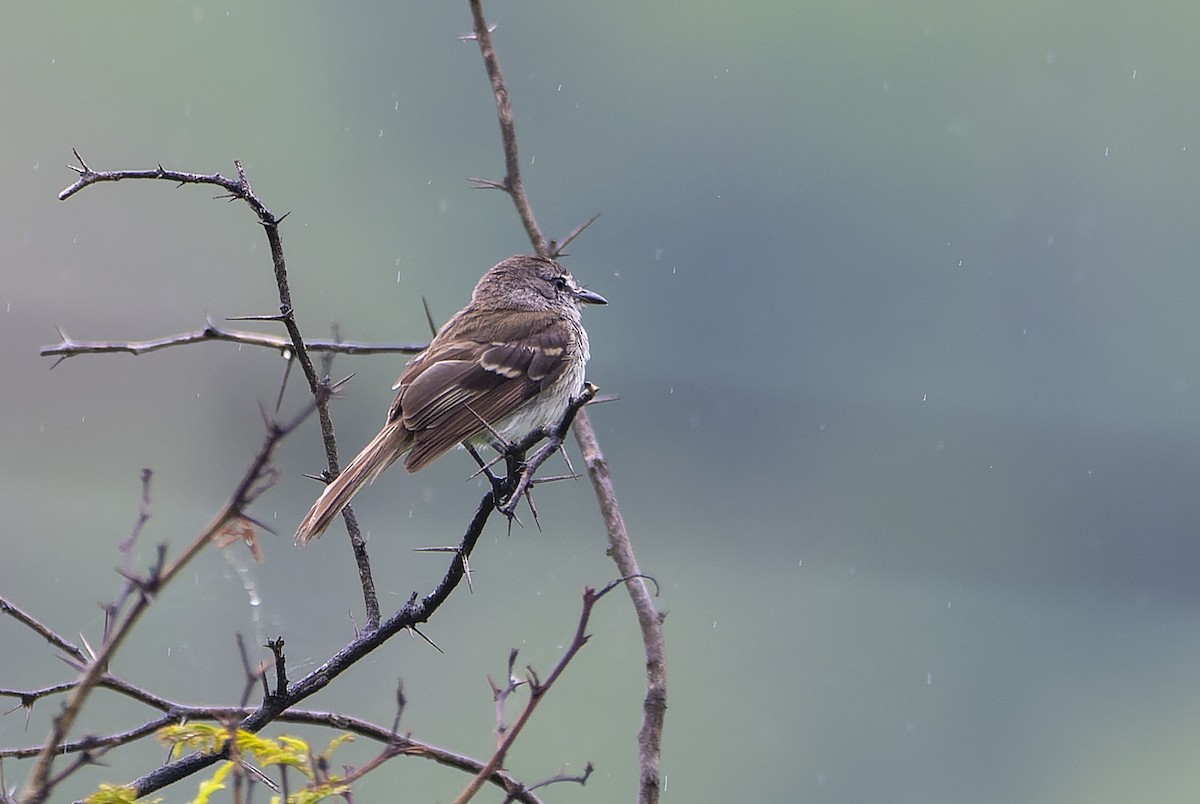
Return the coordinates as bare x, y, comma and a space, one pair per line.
392, 442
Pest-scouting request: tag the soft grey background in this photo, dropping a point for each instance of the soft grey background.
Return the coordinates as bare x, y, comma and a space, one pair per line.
902, 319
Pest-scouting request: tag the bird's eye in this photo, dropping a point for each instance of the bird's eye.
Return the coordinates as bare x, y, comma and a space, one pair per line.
560, 282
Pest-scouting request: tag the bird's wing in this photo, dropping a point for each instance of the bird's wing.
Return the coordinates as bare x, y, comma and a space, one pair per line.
475, 372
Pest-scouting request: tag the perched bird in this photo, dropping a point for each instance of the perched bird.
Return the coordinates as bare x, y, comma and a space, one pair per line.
503, 366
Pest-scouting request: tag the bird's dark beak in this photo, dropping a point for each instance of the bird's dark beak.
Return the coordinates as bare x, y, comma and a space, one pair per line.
586, 296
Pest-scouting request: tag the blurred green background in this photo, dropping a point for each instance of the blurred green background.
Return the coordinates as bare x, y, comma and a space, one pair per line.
902, 321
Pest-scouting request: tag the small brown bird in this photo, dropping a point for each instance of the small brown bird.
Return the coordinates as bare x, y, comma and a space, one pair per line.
508, 363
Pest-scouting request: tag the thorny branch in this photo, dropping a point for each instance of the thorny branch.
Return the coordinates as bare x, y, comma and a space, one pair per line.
235, 189
69, 347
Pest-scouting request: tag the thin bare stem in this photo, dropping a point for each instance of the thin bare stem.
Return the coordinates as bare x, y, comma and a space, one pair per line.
654, 705
508, 132
69, 347
537, 690
44, 631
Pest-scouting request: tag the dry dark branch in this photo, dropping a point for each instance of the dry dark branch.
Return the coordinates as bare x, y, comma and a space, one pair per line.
239, 189
406, 745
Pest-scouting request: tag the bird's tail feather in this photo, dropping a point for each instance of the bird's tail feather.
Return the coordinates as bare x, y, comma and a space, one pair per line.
384, 449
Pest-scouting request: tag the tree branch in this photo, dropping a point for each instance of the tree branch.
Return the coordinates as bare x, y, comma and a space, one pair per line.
44, 631
654, 705
620, 547
239, 188
69, 347
512, 183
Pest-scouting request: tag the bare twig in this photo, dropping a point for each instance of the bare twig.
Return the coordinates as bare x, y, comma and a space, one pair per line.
579, 779
537, 691
94, 743
69, 347
557, 247
126, 547
406, 745
44, 631
512, 183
